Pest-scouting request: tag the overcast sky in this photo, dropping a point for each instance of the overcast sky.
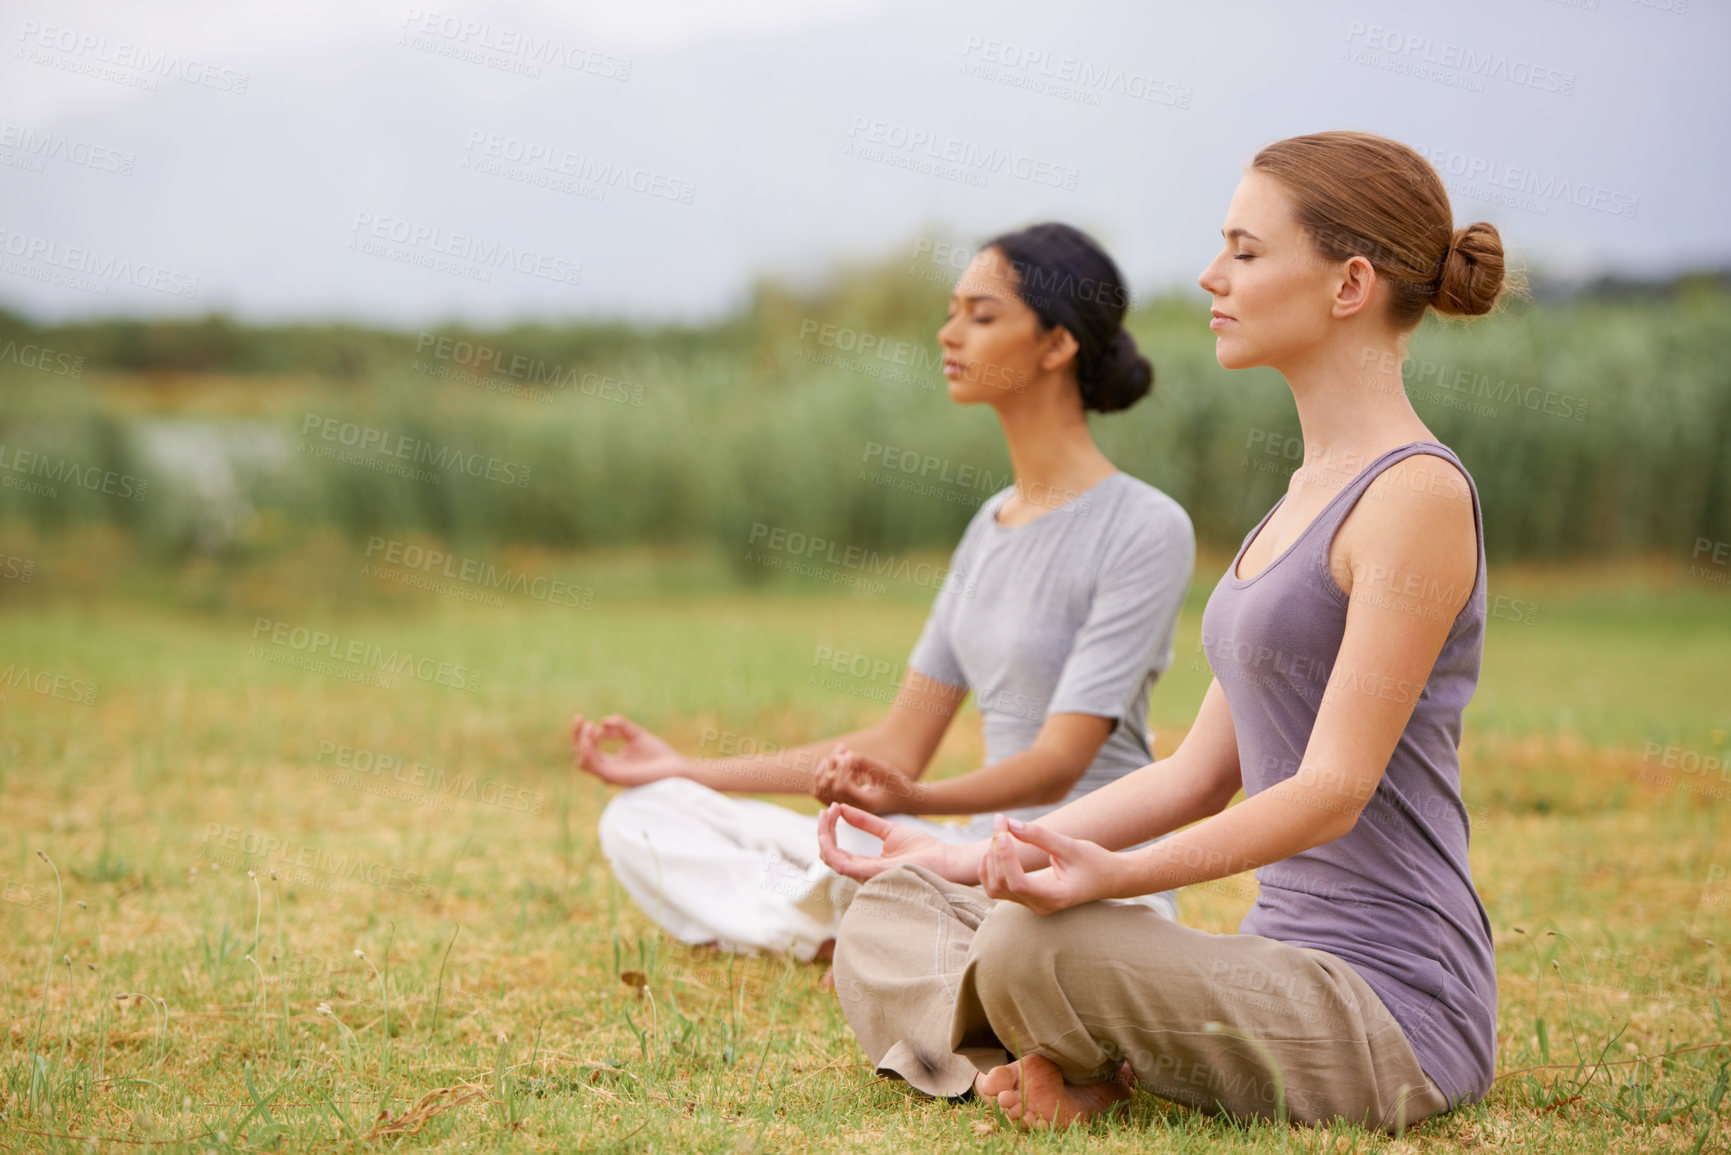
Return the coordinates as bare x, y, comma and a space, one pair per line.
409, 164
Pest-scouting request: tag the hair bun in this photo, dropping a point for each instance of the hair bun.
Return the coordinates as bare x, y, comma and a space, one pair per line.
1119, 377
1070, 282
1472, 274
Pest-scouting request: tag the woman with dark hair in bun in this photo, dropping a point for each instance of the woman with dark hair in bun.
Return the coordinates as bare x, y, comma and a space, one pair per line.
1058, 614
1345, 642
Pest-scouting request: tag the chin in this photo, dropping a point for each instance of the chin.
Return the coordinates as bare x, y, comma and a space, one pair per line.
1235, 355
965, 392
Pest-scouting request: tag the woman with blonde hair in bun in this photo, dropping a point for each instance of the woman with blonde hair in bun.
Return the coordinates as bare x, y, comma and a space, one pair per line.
1345, 642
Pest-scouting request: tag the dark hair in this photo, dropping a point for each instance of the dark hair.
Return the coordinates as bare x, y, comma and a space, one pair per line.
1068, 280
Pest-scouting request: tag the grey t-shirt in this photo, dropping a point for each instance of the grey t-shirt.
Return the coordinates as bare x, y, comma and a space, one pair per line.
1071, 613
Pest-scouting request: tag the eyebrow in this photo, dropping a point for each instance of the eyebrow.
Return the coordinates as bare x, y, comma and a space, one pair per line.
1230, 234
979, 297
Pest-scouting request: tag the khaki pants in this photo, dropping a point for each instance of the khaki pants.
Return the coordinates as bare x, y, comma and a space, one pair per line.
939, 981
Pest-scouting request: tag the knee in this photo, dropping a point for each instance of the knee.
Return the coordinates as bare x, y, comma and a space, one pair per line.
1012, 946
629, 816
894, 880
612, 828
900, 897
1011, 931
882, 895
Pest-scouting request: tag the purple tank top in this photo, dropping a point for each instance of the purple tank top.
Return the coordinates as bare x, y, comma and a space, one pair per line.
1394, 897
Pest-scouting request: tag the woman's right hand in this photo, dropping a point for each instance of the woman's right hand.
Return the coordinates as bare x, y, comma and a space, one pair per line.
903, 845
858, 780
645, 758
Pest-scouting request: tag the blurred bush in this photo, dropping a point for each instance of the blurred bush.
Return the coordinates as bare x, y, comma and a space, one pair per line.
1593, 425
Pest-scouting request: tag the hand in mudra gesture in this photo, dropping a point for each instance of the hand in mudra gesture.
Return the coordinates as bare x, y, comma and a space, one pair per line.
1077, 870
902, 846
863, 781
644, 758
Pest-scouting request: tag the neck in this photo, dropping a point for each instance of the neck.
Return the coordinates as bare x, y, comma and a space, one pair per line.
1352, 404
1051, 448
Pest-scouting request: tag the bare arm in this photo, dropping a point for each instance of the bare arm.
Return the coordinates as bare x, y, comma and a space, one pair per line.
1199, 779
1428, 540
906, 738
1040, 775
1390, 645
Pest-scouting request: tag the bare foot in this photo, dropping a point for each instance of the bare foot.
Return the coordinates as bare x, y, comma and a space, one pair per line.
1033, 1093
827, 982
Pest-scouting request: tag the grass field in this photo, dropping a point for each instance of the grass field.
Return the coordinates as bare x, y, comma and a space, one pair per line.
442, 959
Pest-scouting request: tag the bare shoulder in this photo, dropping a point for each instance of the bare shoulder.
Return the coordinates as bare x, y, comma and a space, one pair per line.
1420, 512
1415, 525
1424, 482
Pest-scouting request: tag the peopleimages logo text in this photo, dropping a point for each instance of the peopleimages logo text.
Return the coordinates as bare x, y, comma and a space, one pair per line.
1478, 64
365, 438
966, 155
106, 268
1085, 74
475, 572
244, 848
1541, 186
59, 470
580, 166
466, 247
70, 149
810, 550
306, 641
91, 48
508, 41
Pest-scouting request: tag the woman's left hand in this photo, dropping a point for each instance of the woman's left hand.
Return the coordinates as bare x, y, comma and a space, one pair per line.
1080, 871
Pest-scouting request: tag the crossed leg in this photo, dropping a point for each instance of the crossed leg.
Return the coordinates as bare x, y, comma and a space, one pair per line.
942, 986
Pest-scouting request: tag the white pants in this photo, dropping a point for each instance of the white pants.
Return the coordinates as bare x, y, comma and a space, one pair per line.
745, 874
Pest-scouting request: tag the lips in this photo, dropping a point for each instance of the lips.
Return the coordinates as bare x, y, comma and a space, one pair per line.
1218, 320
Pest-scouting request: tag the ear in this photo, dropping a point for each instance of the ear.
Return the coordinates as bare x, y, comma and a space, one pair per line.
1356, 286
1060, 347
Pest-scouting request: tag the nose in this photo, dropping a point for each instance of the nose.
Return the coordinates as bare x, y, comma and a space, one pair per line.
1213, 279
947, 334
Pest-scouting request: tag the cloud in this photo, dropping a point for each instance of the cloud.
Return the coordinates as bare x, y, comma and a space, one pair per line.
651, 160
